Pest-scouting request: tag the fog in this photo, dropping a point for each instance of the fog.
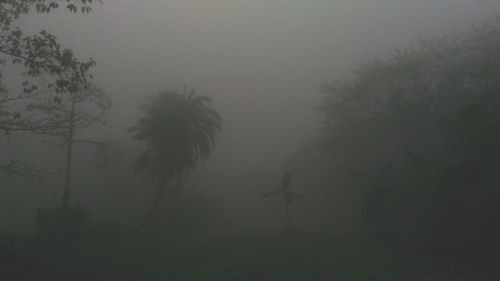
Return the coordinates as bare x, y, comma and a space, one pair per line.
263, 62
269, 67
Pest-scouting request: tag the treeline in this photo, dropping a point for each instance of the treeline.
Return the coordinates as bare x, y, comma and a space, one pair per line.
417, 135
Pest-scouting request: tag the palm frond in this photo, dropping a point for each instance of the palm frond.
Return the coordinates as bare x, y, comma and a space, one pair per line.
180, 130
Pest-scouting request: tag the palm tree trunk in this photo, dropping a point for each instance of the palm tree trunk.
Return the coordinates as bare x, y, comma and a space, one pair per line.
156, 203
173, 210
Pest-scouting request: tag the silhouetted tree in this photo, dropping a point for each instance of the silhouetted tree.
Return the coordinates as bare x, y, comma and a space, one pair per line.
179, 130
69, 114
48, 69
431, 111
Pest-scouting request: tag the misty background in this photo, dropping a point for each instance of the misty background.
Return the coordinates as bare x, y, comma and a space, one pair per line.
263, 63
249, 140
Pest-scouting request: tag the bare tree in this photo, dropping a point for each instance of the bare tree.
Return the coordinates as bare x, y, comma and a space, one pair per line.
69, 114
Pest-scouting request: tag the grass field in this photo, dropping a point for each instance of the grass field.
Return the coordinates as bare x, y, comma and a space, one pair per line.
221, 258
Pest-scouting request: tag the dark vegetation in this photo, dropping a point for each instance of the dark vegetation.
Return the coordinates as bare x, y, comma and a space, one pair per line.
430, 171
413, 138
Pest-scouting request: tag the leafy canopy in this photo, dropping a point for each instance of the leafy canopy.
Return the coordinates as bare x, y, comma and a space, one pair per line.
46, 67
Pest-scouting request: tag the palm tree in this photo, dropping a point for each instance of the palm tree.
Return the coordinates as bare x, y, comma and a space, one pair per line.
180, 130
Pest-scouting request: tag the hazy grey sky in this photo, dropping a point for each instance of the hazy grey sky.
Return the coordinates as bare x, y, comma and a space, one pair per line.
263, 61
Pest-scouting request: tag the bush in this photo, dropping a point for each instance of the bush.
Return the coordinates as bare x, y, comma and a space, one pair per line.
61, 222
104, 230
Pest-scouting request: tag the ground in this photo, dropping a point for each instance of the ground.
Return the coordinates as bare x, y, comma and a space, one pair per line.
234, 258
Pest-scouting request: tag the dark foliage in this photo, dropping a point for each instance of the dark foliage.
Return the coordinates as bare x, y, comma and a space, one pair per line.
422, 128
179, 130
61, 223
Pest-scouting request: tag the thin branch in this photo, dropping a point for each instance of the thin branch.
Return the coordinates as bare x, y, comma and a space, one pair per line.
89, 142
19, 170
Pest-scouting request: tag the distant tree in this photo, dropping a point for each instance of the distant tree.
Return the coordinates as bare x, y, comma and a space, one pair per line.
109, 154
19, 170
179, 130
423, 125
68, 114
288, 196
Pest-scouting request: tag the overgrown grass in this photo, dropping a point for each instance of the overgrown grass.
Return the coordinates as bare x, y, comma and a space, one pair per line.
224, 258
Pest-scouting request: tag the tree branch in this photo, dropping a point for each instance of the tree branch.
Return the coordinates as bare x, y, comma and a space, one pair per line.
89, 142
